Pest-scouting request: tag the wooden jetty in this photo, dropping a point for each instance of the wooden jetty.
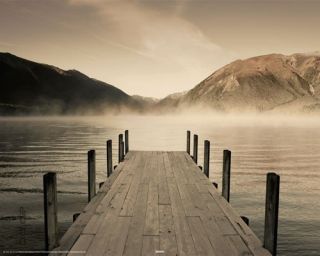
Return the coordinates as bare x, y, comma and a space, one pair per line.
160, 203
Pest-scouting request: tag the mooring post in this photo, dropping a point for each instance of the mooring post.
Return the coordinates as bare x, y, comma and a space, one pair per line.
122, 150
120, 139
50, 210
195, 148
188, 142
109, 158
271, 213
206, 158
91, 174
126, 138
226, 174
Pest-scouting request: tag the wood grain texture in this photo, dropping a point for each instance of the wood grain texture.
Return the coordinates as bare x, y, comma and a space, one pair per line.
160, 203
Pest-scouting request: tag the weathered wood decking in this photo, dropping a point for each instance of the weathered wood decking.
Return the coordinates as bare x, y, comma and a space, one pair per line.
159, 203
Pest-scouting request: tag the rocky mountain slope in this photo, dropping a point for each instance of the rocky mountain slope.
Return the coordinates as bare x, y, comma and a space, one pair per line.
30, 87
263, 83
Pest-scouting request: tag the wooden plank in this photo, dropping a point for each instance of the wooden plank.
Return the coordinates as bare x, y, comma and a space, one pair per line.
125, 177
160, 203
157, 168
196, 200
221, 245
145, 177
225, 210
128, 205
110, 219
200, 238
118, 237
188, 161
190, 169
109, 225
135, 235
183, 235
183, 169
81, 246
213, 208
213, 231
187, 202
241, 228
167, 165
120, 168
225, 226
164, 197
151, 226
238, 245
168, 242
93, 224
150, 245
182, 178
178, 174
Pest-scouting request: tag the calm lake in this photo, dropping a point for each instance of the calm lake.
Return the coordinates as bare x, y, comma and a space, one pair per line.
290, 146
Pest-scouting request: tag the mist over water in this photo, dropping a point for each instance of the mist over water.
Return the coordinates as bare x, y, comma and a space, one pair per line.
286, 144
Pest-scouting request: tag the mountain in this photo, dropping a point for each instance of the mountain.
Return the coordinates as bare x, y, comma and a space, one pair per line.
146, 102
30, 87
273, 82
264, 83
169, 103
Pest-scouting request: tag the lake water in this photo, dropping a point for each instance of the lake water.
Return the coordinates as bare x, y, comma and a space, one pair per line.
29, 147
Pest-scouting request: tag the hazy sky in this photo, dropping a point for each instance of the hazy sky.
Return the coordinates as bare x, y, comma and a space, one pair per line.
155, 47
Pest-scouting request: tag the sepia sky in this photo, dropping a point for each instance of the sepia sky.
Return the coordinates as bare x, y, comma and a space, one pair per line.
155, 47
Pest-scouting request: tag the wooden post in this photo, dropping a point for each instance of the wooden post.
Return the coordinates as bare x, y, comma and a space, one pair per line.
271, 213
188, 142
206, 157
195, 148
120, 139
226, 174
91, 174
50, 210
122, 150
109, 158
126, 138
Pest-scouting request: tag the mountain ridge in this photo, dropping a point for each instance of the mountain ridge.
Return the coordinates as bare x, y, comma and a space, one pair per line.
261, 83
267, 83
42, 89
